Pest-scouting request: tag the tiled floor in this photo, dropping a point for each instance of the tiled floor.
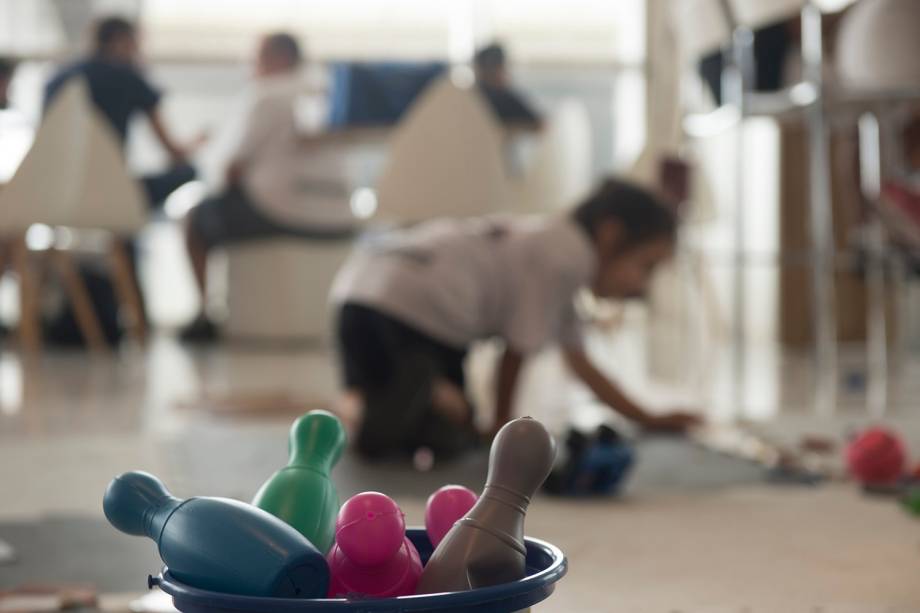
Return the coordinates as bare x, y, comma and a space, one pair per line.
69, 422
695, 532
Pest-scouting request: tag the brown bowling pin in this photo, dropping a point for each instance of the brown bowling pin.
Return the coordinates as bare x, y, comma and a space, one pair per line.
486, 546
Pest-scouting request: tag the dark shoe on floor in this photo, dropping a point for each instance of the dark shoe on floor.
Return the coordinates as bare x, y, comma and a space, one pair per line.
202, 330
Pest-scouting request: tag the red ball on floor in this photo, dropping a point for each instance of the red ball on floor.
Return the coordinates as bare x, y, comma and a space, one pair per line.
876, 457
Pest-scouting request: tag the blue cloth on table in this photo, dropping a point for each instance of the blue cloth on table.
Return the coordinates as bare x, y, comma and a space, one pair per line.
377, 93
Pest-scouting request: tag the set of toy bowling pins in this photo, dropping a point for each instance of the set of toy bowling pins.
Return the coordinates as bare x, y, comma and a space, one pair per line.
296, 541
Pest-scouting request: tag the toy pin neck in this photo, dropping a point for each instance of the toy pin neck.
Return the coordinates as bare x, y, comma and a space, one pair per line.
507, 497
156, 516
316, 441
310, 461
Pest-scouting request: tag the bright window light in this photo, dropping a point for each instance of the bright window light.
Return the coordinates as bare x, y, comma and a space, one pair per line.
462, 76
39, 237
803, 94
594, 31
363, 203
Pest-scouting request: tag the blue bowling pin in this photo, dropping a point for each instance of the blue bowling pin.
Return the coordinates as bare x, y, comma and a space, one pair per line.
218, 544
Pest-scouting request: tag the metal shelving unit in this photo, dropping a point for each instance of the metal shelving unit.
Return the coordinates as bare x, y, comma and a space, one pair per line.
811, 99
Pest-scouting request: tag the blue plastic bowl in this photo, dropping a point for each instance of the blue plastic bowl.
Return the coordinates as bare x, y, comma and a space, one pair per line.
545, 566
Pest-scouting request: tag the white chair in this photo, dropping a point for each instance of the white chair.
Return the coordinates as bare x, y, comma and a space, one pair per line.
74, 176
878, 47
289, 304
445, 159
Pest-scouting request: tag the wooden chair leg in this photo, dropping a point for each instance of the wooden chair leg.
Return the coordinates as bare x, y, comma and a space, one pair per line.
127, 288
29, 330
5, 258
85, 314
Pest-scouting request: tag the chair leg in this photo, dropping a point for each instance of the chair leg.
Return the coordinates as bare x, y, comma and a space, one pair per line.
5, 258
85, 314
126, 287
29, 330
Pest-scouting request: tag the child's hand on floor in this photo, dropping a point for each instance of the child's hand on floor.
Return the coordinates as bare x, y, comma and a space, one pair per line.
678, 422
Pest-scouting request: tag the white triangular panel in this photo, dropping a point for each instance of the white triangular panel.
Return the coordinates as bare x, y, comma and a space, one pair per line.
445, 159
74, 174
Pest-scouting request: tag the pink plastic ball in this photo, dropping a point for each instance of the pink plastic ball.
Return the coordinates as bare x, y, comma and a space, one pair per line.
444, 508
370, 528
876, 457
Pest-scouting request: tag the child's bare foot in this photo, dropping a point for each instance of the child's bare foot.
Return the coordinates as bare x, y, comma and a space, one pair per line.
448, 400
349, 408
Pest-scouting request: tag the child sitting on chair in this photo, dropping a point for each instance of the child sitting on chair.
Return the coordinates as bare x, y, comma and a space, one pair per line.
410, 304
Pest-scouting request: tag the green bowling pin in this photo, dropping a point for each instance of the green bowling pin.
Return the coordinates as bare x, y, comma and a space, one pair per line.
911, 501
302, 493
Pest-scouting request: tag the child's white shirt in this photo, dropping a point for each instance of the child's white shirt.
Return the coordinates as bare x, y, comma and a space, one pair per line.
460, 281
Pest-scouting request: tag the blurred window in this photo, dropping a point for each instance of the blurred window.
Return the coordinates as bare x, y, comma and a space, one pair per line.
593, 31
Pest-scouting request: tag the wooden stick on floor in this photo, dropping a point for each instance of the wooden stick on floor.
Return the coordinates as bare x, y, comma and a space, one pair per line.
128, 291
85, 314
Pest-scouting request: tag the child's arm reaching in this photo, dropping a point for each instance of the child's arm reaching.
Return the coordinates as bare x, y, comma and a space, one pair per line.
612, 396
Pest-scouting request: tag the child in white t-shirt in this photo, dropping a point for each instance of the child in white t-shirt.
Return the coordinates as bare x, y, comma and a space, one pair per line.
410, 305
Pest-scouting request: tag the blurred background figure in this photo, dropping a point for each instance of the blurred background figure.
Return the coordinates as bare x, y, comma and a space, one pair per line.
120, 90
493, 79
410, 307
264, 195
